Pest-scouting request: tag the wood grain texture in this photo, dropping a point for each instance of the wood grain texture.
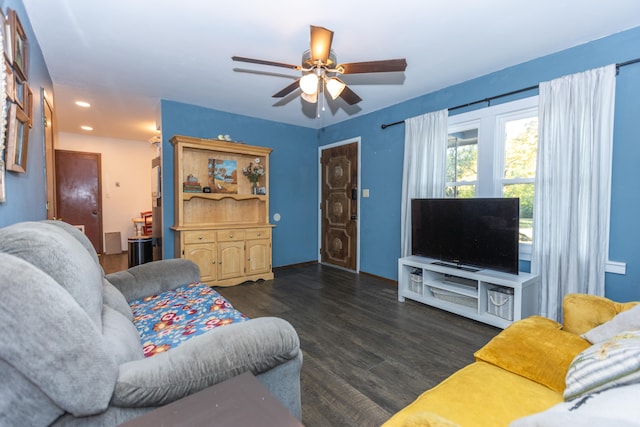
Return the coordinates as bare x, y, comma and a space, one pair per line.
366, 355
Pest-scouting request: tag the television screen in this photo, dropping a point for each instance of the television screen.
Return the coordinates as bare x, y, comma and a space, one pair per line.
481, 233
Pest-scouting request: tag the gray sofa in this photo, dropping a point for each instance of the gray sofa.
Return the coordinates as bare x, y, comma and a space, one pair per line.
70, 354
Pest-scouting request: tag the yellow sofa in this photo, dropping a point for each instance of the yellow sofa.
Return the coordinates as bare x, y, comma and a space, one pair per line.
519, 372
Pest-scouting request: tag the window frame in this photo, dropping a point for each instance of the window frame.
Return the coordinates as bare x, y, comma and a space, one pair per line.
490, 122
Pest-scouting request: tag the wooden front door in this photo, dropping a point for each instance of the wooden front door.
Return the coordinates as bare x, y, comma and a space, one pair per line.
79, 192
339, 206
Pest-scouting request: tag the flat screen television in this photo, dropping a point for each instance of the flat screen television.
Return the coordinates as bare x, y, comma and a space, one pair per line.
478, 233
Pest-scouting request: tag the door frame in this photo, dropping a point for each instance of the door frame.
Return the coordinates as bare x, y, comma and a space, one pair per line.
357, 141
49, 155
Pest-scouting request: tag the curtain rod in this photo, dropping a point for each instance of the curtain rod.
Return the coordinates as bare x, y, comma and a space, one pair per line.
502, 95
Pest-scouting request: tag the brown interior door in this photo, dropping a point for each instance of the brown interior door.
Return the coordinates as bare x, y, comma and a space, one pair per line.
79, 192
339, 206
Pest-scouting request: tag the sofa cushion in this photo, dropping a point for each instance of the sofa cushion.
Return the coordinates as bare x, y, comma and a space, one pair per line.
584, 312
22, 402
626, 321
619, 407
114, 299
480, 395
76, 234
170, 318
535, 348
121, 336
428, 419
60, 350
60, 255
604, 365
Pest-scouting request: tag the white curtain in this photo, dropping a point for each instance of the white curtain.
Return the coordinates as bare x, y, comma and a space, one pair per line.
424, 167
573, 185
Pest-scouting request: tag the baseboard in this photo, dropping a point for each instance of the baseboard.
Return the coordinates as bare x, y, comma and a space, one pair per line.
300, 264
384, 279
307, 263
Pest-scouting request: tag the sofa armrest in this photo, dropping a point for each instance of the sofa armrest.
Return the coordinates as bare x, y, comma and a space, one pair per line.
257, 345
154, 277
584, 312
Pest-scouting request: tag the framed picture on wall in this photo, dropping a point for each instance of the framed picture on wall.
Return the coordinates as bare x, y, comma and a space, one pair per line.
7, 40
20, 91
9, 82
17, 140
20, 47
3, 193
28, 108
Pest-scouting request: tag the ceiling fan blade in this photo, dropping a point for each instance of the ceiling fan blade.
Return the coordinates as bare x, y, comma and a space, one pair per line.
321, 39
350, 96
287, 90
388, 65
263, 62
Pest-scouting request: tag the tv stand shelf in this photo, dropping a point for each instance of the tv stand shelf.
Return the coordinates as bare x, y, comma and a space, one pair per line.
487, 296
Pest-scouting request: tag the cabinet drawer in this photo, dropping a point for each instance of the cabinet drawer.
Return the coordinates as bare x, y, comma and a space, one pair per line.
230, 235
258, 233
201, 236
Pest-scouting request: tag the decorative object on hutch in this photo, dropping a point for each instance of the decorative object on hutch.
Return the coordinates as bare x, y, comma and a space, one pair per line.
226, 231
254, 172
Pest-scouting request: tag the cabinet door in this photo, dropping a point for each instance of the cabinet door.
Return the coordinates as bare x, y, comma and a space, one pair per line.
230, 260
204, 255
258, 256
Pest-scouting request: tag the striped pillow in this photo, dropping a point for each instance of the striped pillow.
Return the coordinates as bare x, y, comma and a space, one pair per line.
605, 365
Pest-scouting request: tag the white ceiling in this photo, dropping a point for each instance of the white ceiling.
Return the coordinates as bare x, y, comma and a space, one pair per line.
123, 56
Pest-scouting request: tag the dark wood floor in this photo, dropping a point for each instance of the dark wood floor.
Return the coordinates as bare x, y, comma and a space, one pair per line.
366, 355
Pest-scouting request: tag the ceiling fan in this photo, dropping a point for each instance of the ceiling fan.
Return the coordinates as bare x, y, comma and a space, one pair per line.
320, 70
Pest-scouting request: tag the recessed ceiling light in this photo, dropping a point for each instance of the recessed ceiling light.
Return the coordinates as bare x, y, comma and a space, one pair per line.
83, 104
86, 128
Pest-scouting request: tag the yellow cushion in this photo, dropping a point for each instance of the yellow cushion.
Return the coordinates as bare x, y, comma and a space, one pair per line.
480, 395
535, 348
584, 312
427, 419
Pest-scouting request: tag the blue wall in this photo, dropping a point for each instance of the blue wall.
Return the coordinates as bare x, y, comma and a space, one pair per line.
26, 192
293, 181
294, 162
382, 152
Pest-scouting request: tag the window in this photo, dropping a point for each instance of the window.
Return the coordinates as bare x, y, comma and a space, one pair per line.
491, 152
462, 163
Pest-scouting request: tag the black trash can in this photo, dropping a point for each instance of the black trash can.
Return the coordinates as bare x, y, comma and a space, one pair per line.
140, 250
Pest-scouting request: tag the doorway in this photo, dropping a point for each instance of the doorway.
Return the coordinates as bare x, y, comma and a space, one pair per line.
339, 204
79, 192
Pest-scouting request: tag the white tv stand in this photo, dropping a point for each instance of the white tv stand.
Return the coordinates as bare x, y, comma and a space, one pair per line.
465, 292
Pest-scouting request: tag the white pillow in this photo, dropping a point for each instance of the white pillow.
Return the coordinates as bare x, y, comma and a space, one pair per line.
626, 321
618, 407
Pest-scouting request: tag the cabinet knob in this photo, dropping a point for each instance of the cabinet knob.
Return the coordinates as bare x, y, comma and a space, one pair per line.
231, 236
199, 237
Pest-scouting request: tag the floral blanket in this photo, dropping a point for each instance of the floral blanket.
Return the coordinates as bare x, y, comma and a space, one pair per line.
168, 319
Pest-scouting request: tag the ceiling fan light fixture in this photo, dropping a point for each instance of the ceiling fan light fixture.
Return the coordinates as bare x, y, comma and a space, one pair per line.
310, 98
335, 86
309, 84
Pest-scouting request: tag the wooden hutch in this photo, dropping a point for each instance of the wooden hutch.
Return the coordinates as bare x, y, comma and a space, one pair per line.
221, 218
